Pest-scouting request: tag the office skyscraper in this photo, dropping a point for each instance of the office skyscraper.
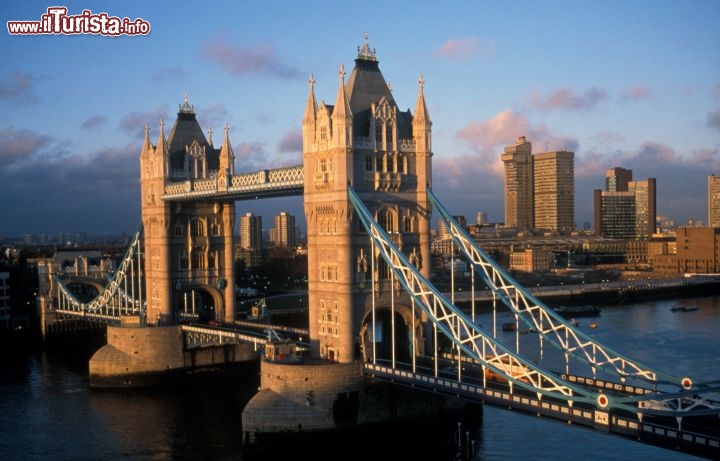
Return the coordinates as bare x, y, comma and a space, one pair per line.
250, 231
626, 209
283, 232
518, 184
645, 207
617, 179
554, 187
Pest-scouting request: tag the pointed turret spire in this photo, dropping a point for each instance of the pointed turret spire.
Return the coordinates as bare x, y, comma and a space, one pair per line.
342, 115
147, 145
342, 104
161, 142
421, 113
227, 156
162, 150
311, 106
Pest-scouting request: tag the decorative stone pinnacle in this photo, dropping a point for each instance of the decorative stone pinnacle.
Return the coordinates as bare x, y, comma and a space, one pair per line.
365, 52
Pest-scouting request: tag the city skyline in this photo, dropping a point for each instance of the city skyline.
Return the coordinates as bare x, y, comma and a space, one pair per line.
631, 86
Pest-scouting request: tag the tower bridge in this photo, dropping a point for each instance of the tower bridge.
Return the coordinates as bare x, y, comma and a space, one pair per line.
366, 182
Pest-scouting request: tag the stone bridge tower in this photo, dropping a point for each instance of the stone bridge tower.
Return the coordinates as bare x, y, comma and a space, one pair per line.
188, 244
365, 140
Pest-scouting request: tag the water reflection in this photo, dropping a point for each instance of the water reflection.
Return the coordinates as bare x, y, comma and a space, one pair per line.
47, 410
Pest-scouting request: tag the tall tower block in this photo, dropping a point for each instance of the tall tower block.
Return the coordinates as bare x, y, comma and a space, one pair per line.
518, 184
366, 141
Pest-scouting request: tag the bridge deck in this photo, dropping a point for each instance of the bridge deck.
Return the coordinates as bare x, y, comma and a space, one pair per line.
697, 439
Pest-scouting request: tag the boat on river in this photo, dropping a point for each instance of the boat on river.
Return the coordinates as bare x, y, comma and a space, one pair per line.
578, 311
683, 308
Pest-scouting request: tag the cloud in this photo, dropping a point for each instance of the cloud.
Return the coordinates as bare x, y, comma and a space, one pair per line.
104, 183
680, 179
170, 74
291, 141
92, 122
134, 122
637, 92
20, 87
465, 185
463, 49
19, 146
490, 137
606, 137
566, 99
239, 61
473, 181
213, 116
713, 120
251, 156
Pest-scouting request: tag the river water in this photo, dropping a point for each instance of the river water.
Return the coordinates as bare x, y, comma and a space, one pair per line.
47, 410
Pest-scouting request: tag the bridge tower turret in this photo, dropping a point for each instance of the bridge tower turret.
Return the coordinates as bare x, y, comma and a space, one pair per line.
154, 169
362, 140
189, 268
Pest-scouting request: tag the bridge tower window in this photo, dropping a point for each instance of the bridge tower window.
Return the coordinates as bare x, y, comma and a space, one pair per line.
198, 260
197, 228
183, 260
386, 218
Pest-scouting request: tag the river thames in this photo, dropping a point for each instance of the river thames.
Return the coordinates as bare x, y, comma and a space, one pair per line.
48, 411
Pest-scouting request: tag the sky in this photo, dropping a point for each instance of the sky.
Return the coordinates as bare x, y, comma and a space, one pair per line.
632, 83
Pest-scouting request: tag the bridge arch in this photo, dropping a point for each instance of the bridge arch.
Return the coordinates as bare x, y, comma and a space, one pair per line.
201, 303
84, 288
386, 316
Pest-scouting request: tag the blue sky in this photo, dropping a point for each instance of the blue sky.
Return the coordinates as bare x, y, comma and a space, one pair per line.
634, 84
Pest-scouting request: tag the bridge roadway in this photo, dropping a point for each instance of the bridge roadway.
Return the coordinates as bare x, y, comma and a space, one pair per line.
203, 335
469, 384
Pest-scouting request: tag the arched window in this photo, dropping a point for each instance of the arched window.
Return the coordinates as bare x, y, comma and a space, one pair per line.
197, 228
387, 220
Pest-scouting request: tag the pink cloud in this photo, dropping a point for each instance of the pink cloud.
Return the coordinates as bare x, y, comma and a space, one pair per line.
566, 98
637, 92
291, 141
490, 137
461, 49
259, 58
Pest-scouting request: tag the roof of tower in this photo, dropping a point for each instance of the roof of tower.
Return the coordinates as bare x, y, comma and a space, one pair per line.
365, 86
185, 130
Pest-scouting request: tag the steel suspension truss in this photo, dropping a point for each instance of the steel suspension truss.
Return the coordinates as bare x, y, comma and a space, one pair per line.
549, 324
687, 398
469, 337
123, 294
